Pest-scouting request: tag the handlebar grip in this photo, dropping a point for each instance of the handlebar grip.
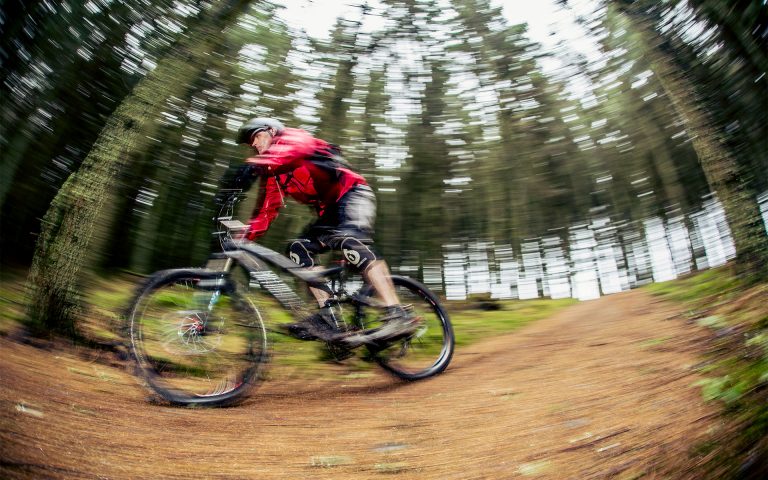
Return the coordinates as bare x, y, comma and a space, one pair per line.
234, 225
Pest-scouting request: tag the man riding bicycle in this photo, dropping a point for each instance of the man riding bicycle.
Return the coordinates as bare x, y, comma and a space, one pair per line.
291, 162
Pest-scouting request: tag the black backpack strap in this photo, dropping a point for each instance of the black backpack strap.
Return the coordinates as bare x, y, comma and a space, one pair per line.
330, 159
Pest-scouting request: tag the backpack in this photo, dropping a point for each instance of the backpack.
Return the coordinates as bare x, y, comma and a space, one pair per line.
330, 159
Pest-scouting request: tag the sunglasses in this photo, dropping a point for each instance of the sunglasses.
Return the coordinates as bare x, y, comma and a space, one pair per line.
255, 132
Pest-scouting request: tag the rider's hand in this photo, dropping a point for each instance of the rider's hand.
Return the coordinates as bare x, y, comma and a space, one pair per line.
251, 236
245, 176
242, 178
247, 234
240, 238
223, 197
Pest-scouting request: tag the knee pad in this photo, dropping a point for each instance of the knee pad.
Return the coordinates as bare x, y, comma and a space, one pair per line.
301, 252
357, 253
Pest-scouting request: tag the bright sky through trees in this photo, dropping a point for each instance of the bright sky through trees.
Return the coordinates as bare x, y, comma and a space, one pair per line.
550, 25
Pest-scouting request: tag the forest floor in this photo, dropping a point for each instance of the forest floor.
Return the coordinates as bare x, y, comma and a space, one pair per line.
602, 389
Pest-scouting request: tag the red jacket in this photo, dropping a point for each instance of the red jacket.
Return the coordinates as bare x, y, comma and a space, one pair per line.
287, 170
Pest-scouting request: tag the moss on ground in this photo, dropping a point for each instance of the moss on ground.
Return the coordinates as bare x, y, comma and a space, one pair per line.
736, 371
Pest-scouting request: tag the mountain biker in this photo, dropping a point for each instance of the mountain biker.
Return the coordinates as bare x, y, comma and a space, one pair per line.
291, 162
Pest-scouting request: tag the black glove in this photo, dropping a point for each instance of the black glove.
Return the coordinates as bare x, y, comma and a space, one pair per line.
244, 177
241, 178
223, 197
236, 181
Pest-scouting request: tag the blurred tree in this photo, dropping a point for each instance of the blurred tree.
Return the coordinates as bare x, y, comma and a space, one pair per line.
165, 212
655, 169
729, 79
62, 248
335, 99
65, 71
521, 197
422, 205
417, 127
724, 174
742, 25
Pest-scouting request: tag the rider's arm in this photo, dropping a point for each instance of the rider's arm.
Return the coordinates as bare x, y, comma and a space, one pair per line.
286, 153
267, 207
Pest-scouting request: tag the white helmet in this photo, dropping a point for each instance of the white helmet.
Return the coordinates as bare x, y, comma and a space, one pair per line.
254, 125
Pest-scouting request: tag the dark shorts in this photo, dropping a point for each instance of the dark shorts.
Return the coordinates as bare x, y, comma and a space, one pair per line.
347, 228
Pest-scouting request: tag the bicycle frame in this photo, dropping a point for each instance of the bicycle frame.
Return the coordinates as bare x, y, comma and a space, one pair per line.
248, 255
251, 257
186, 377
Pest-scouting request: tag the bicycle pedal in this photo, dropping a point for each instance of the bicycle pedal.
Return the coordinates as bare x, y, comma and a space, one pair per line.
366, 300
371, 355
337, 354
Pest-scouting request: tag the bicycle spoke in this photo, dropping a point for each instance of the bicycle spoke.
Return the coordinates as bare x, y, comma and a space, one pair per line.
429, 349
196, 345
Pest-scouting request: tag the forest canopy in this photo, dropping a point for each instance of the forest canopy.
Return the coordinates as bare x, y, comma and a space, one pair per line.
468, 129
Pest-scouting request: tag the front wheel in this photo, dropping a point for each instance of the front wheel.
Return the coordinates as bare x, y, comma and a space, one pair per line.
429, 350
195, 338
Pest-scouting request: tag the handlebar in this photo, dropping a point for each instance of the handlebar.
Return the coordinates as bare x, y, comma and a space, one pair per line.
227, 228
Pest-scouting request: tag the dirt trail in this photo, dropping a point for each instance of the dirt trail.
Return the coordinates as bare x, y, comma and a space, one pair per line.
601, 390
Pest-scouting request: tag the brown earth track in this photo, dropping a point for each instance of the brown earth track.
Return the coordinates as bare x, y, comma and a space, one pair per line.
603, 389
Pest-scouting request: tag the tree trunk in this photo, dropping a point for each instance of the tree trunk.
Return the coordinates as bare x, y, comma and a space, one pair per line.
67, 227
721, 169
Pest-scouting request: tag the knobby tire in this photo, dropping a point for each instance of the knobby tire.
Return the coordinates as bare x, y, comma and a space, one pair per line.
428, 351
195, 338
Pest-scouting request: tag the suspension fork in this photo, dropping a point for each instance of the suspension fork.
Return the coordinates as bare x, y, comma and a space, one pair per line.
214, 300
219, 281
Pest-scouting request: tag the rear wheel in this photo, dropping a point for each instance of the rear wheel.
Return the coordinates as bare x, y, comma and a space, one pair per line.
195, 338
427, 351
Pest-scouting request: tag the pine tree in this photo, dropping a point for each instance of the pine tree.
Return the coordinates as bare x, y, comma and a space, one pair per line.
67, 228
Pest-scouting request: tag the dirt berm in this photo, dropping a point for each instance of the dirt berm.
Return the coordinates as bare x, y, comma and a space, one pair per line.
604, 389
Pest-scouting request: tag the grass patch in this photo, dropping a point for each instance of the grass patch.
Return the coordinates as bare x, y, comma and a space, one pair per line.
736, 375
13, 300
106, 298
473, 324
710, 285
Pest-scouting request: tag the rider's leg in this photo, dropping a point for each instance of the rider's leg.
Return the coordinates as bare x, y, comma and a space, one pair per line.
373, 269
320, 295
397, 320
302, 252
354, 237
350, 230
377, 275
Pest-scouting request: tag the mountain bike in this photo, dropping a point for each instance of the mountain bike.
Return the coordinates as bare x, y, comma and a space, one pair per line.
200, 336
